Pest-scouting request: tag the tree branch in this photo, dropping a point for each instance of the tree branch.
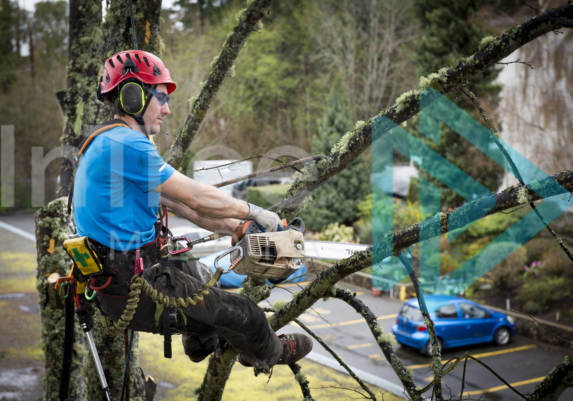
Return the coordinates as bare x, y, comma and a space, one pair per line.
249, 21
353, 144
555, 383
384, 341
436, 351
338, 359
302, 381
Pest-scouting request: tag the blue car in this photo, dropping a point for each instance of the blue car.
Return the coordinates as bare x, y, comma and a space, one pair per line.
458, 322
234, 280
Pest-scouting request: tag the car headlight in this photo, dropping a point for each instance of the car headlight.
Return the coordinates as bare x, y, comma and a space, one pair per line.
511, 319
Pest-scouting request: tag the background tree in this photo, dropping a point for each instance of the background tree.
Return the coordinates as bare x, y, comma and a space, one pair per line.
338, 201
9, 51
453, 30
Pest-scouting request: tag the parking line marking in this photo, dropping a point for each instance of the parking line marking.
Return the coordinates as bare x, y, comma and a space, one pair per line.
484, 355
505, 351
359, 346
321, 326
499, 388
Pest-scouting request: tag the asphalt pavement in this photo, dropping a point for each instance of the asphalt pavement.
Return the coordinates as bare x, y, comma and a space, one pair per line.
523, 362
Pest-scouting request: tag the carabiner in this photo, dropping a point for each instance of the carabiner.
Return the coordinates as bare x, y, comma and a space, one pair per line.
65, 284
235, 262
89, 297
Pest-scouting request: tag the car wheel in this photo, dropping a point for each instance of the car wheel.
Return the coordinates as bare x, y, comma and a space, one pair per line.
501, 336
428, 347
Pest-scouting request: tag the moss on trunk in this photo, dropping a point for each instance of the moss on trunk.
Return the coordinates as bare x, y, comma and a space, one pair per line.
53, 227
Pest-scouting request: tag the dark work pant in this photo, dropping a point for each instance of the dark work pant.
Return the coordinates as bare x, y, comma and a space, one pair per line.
235, 318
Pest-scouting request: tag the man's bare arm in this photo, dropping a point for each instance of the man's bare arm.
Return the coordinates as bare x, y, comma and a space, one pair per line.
220, 226
211, 202
204, 199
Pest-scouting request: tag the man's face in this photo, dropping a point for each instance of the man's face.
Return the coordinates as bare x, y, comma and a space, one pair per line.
155, 112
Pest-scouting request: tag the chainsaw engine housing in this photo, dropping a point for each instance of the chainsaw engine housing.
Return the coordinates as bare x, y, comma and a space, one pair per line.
271, 255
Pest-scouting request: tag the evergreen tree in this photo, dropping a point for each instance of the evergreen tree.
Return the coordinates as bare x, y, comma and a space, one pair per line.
336, 201
452, 30
9, 24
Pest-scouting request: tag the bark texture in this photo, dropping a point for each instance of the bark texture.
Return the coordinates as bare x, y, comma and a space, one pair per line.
53, 227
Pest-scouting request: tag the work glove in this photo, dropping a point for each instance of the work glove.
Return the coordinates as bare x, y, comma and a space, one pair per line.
269, 220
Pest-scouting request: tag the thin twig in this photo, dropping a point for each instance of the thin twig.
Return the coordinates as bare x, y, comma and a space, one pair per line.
341, 387
516, 172
463, 378
545, 328
533, 8
498, 376
338, 359
271, 170
517, 61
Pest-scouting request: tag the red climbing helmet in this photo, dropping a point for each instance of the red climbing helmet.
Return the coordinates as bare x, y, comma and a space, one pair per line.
137, 64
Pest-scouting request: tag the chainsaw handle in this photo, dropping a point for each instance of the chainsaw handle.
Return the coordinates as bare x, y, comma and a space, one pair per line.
234, 263
293, 225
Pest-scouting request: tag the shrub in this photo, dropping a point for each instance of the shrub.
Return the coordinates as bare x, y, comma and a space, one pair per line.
543, 291
537, 247
557, 262
532, 308
336, 233
508, 269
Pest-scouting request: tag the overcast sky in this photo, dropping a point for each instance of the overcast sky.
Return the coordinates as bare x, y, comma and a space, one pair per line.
29, 4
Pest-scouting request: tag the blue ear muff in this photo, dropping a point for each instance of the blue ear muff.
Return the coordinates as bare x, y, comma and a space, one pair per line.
132, 98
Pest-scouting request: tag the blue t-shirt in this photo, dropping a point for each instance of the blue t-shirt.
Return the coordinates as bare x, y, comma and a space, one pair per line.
114, 201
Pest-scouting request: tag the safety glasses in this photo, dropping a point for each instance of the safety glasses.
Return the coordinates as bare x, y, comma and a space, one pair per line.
161, 97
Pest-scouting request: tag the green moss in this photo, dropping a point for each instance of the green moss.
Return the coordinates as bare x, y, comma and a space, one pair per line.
278, 305
241, 16
485, 42
523, 196
78, 123
403, 101
301, 378
387, 338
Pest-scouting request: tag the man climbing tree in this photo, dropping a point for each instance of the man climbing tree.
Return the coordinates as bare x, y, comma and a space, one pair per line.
148, 174
117, 189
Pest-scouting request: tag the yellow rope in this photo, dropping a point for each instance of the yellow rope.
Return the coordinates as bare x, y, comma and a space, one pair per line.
139, 285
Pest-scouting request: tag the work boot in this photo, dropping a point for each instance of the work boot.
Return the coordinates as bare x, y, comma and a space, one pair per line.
295, 347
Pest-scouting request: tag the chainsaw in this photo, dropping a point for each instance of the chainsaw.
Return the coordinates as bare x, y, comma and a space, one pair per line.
277, 255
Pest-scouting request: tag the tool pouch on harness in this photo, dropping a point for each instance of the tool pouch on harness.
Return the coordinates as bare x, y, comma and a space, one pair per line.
85, 258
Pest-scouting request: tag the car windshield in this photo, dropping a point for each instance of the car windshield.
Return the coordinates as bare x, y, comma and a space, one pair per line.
411, 313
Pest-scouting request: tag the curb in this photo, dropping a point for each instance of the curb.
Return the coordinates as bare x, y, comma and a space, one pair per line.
363, 375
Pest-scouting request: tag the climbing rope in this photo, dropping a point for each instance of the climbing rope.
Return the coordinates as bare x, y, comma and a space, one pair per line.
132, 26
139, 285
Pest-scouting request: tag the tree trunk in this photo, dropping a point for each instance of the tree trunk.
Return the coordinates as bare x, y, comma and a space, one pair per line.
81, 108
53, 226
87, 53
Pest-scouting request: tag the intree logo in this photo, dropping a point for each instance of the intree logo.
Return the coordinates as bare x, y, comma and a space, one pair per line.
434, 109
